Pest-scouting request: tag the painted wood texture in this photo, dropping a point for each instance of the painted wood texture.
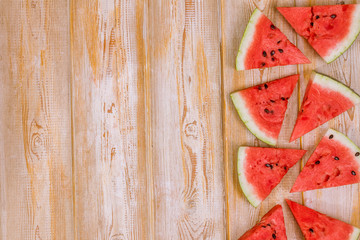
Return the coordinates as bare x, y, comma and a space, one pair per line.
186, 136
110, 163
35, 121
116, 121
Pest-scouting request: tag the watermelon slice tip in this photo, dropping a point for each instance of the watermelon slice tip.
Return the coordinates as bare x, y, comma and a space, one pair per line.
335, 162
264, 45
272, 163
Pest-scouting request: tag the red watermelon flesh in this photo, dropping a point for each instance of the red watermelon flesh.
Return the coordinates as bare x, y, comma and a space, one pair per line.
264, 45
324, 99
262, 108
318, 226
270, 227
260, 170
330, 30
335, 162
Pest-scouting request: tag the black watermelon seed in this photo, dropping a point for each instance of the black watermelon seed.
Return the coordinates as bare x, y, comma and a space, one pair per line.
272, 26
274, 236
269, 224
280, 50
266, 86
272, 52
317, 17
357, 154
336, 158
311, 230
333, 16
272, 100
317, 162
263, 226
285, 167
272, 59
264, 53
353, 173
312, 24
277, 164
279, 42
266, 110
282, 98
270, 166
331, 136
263, 64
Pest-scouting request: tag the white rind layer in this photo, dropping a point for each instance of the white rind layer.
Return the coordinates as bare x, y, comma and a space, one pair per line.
336, 86
245, 185
250, 123
345, 141
355, 234
342, 46
247, 39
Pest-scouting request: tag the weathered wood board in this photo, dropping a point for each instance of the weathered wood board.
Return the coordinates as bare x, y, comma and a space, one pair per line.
36, 197
116, 121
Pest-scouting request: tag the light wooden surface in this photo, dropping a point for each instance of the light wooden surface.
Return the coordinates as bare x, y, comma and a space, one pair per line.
116, 121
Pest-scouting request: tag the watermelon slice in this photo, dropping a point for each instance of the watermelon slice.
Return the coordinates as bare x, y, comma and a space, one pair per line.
330, 30
264, 45
262, 108
270, 227
260, 170
324, 99
335, 162
318, 226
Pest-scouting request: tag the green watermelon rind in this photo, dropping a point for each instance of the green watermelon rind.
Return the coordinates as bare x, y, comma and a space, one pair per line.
246, 187
344, 141
355, 234
336, 86
249, 122
349, 40
247, 39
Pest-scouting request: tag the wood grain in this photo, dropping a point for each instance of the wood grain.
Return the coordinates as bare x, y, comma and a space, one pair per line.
110, 160
35, 144
116, 121
240, 214
187, 148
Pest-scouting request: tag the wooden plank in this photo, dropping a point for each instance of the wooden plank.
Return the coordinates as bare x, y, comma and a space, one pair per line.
185, 87
109, 115
35, 123
240, 214
341, 202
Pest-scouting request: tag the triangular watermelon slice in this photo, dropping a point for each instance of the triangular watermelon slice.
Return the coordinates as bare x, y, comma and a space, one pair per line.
260, 170
324, 99
262, 108
330, 30
271, 226
315, 225
264, 45
335, 162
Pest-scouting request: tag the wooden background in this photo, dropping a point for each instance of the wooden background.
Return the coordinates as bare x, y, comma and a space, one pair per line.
116, 121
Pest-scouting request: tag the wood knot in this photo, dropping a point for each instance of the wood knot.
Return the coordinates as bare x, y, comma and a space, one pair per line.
118, 236
110, 110
33, 4
191, 129
37, 233
37, 139
113, 153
